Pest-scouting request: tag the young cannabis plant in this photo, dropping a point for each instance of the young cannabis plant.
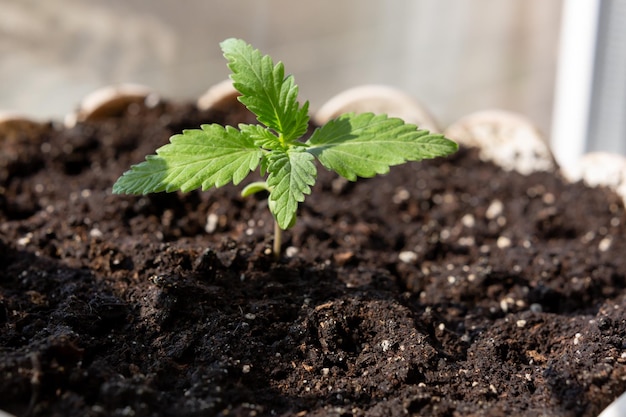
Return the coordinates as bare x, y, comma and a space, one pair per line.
352, 145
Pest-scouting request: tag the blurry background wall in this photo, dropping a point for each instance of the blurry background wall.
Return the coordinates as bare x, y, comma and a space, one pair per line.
454, 56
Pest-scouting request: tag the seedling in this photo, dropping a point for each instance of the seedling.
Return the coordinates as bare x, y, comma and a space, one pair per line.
352, 145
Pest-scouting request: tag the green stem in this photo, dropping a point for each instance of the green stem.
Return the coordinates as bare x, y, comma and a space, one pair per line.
277, 240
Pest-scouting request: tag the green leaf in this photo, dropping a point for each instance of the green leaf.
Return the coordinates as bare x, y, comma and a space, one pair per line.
265, 90
291, 173
207, 157
364, 145
261, 136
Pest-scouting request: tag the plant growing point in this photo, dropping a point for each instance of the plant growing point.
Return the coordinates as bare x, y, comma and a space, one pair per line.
352, 145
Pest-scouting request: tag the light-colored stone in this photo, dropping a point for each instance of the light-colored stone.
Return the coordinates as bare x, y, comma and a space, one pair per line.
505, 138
378, 99
222, 96
601, 169
13, 124
110, 101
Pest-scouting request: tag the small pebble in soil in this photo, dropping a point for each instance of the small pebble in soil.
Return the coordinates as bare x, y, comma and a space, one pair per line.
503, 242
548, 198
401, 195
342, 258
25, 240
468, 220
577, 337
385, 344
339, 185
407, 256
291, 251
494, 210
211, 223
605, 244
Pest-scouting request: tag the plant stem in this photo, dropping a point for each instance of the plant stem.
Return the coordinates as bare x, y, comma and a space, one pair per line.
277, 240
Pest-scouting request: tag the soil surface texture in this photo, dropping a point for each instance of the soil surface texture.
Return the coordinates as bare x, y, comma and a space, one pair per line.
445, 288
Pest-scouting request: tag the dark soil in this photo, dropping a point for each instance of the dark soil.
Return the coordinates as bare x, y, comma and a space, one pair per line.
445, 288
